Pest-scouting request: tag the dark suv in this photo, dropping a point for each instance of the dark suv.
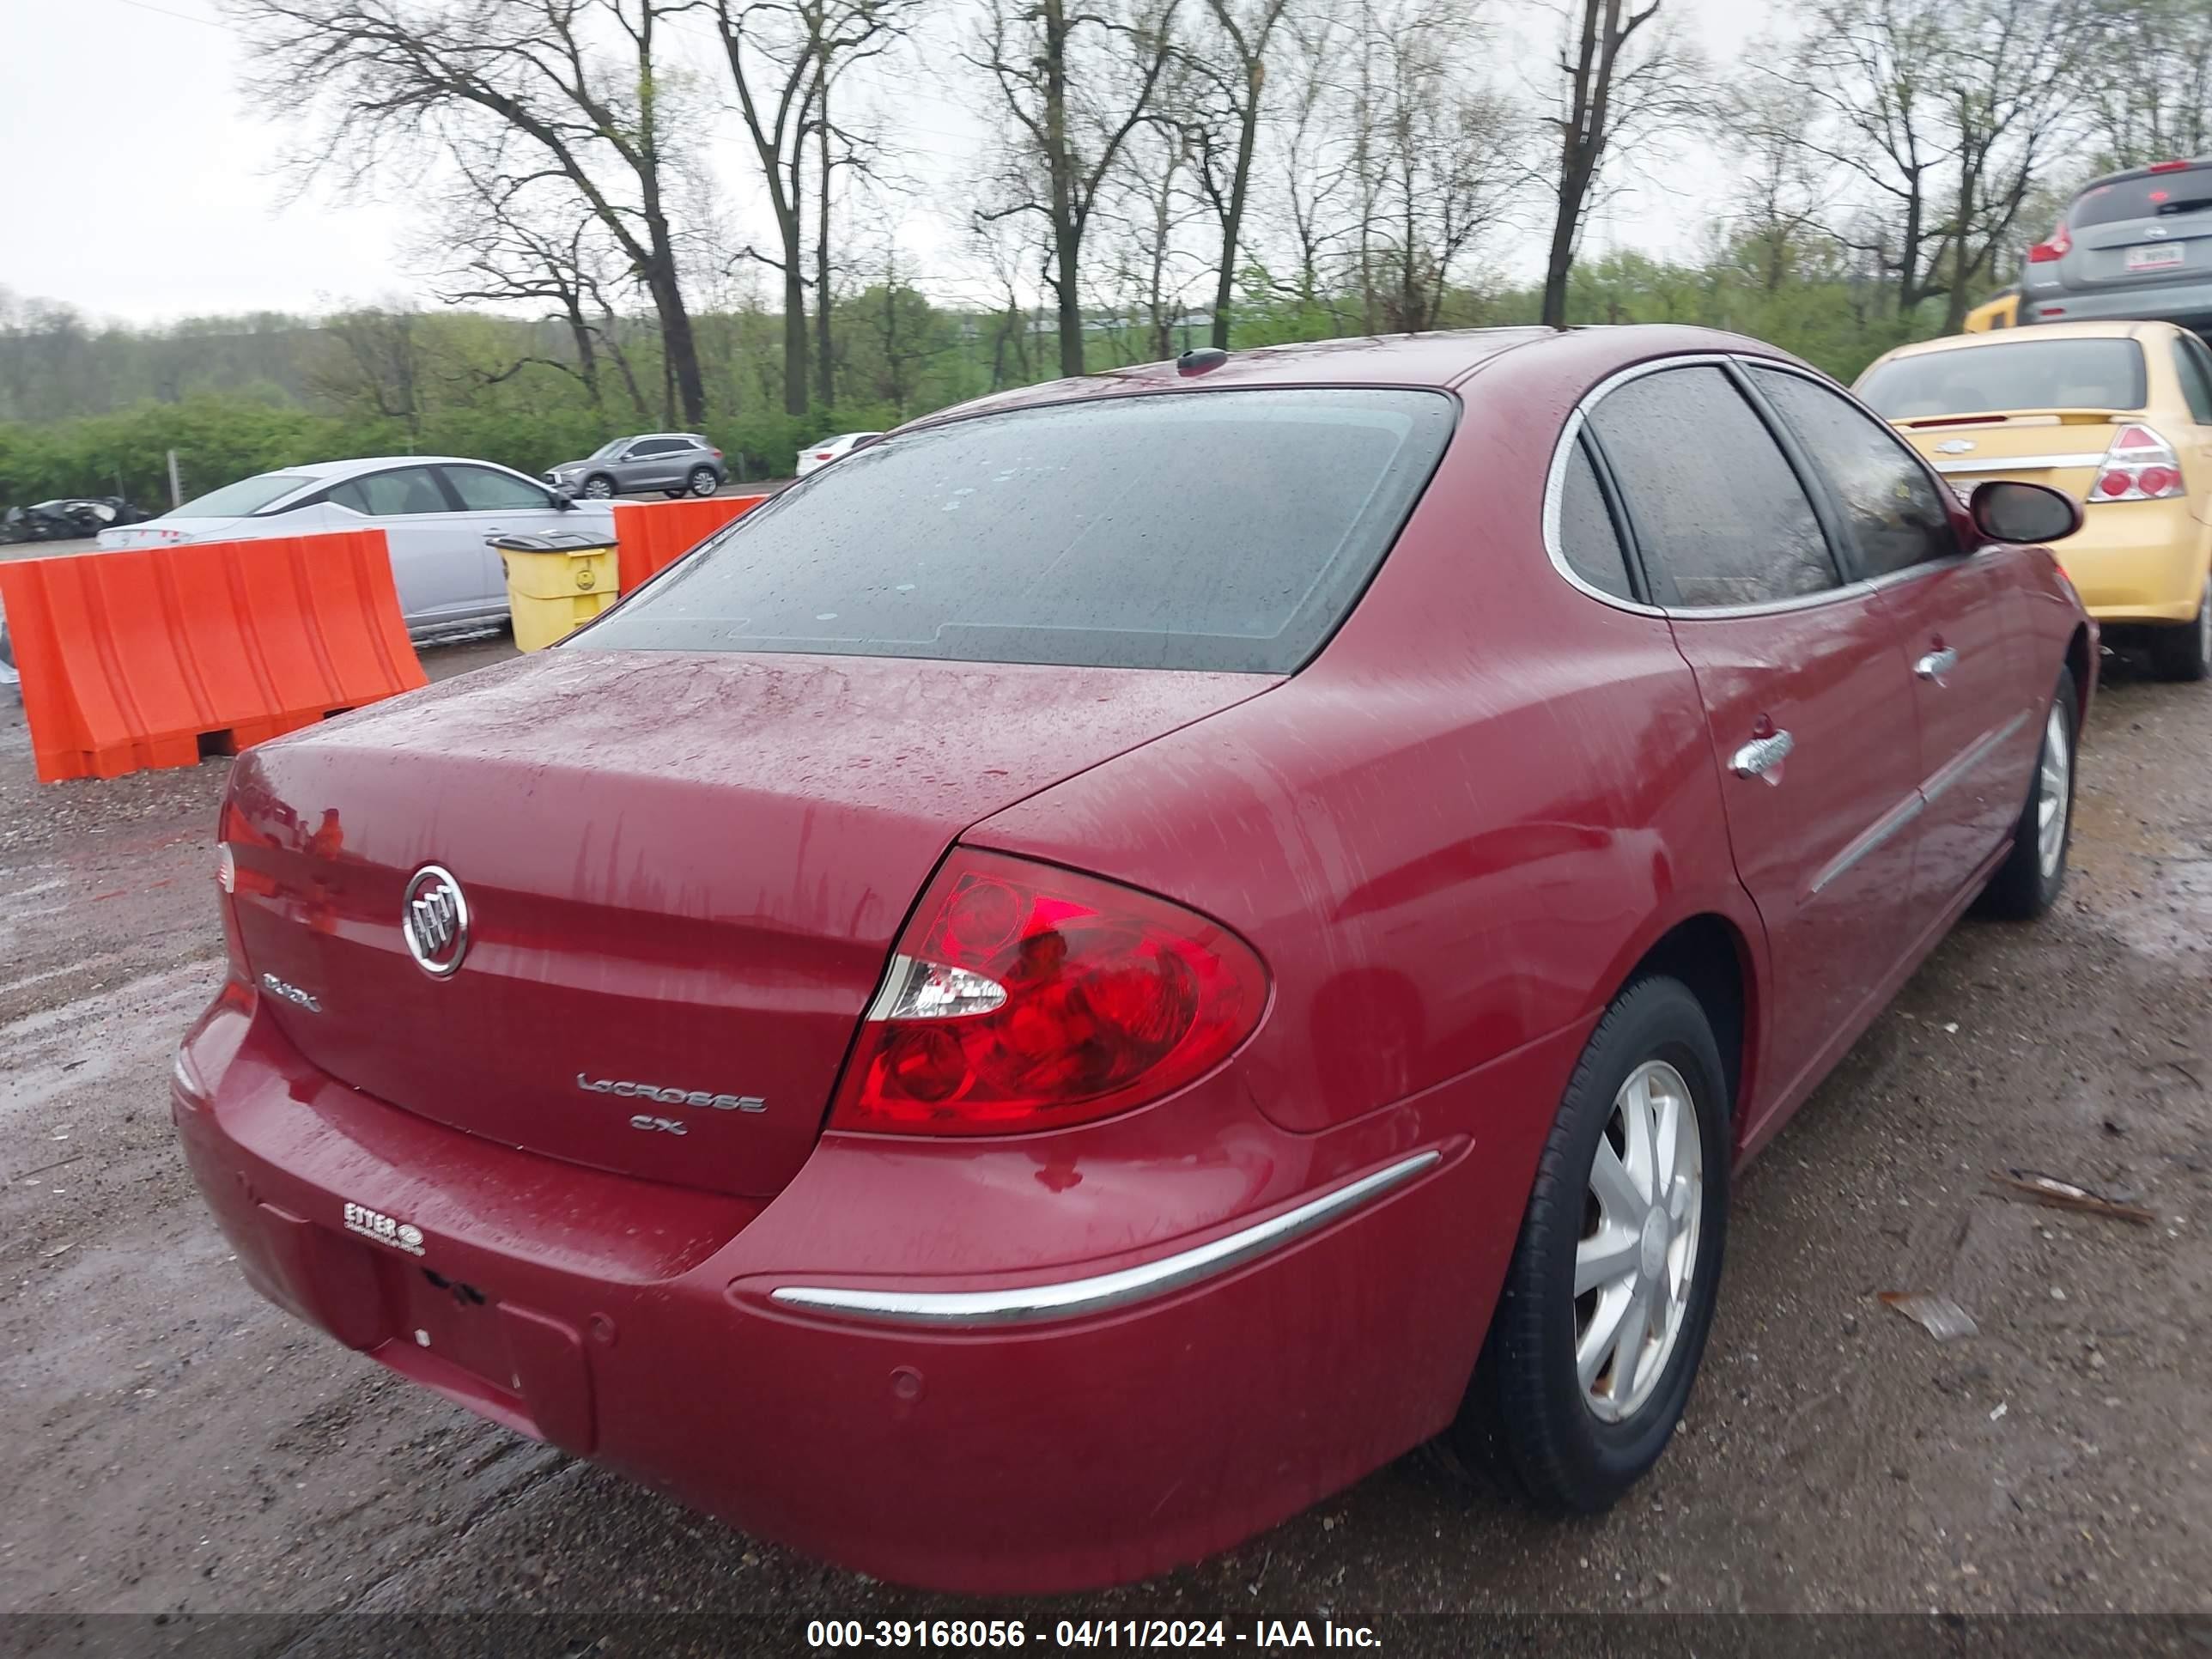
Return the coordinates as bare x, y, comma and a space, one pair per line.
673, 462
2132, 245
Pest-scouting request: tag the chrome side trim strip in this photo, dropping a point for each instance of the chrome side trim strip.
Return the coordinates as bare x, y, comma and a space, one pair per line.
1073, 1298
2020, 463
1911, 806
1869, 839
1967, 760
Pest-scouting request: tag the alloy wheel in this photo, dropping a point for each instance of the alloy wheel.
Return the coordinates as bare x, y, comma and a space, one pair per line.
599, 490
2053, 791
1638, 1256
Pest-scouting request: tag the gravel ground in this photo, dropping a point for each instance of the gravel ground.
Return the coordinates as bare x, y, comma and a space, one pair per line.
175, 1446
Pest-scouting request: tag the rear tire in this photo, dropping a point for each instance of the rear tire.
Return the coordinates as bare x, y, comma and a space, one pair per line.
702, 481
1631, 1222
2026, 884
2186, 652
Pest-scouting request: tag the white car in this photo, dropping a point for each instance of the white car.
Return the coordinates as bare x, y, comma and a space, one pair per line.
437, 513
829, 449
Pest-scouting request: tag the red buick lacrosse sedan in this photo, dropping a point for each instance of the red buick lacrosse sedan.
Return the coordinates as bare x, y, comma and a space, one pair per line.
1131, 951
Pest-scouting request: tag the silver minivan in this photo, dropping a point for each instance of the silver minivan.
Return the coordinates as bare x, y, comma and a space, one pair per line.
2132, 245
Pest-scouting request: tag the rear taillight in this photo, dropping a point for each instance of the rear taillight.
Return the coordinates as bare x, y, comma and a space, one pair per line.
2057, 247
716, 453
824, 454
1025, 997
2140, 466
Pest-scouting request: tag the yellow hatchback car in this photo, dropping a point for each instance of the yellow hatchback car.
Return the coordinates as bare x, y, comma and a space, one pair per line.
2119, 415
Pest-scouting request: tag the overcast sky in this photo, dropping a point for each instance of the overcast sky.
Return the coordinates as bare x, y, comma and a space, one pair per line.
139, 185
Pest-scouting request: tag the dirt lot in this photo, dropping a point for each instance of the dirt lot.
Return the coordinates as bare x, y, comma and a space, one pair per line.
173, 1445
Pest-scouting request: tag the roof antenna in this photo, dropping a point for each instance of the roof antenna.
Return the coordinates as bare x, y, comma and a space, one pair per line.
1200, 359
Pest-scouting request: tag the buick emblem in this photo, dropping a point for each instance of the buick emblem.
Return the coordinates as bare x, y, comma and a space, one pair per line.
434, 918
1954, 445
2154, 230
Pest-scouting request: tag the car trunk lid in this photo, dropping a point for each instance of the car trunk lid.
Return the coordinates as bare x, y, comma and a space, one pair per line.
2060, 447
683, 874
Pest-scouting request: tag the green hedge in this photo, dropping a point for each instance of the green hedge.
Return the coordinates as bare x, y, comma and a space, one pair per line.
220, 439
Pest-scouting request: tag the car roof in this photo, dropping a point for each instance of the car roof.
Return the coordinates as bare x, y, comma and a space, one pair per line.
2128, 330
330, 471
1440, 361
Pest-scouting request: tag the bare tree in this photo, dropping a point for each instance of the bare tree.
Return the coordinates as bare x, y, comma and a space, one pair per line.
2014, 94
507, 241
1444, 162
1612, 84
1944, 113
1784, 183
2149, 80
384, 80
1316, 166
1001, 246
1230, 58
1147, 214
784, 57
1073, 85
377, 364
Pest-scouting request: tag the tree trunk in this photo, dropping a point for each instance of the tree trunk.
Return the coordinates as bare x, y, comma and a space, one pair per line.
677, 342
1232, 226
587, 358
1065, 252
1066, 229
825, 370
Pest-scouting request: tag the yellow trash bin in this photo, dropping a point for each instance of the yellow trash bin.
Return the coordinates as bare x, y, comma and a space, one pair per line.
556, 583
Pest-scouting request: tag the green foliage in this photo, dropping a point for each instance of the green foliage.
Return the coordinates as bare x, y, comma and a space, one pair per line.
376, 381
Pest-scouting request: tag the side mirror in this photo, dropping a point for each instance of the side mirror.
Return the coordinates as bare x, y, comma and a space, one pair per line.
563, 502
2007, 511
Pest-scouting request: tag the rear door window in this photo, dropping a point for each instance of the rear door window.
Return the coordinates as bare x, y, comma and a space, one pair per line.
2015, 374
1719, 515
1228, 530
2158, 195
1896, 516
483, 490
398, 494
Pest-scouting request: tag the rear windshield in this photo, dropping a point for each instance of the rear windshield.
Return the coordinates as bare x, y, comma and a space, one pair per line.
2018, 374
1226, 530
246, 496
2187, 190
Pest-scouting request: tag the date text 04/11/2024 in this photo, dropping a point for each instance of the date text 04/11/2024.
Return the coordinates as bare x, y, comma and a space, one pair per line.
1259, 1635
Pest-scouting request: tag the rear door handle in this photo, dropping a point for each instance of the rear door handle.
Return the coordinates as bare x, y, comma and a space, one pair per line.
1937, 664
1762, 755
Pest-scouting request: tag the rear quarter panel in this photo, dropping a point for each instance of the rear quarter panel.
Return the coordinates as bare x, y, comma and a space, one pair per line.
1457, 829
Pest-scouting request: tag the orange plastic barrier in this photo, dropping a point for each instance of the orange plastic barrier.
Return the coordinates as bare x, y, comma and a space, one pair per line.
654, 535
155, 657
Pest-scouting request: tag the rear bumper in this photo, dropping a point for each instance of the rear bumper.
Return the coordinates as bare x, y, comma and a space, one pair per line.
2176, 302
1105, 1418
2137, 562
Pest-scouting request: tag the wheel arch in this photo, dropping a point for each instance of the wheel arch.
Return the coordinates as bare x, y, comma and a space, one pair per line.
1710, 954
2080, 659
